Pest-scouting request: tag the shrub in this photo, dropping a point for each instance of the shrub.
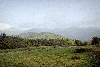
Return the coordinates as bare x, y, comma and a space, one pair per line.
75, 57
80, 50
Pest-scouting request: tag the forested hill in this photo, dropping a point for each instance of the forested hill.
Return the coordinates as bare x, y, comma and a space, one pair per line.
41, 35
12, 42
72, 33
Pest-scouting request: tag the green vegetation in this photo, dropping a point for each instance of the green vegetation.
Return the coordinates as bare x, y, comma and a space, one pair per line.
12, 42
41, 35
59, 52
46, 57
95, 40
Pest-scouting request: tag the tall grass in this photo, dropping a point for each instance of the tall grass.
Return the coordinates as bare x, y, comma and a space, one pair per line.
43, 57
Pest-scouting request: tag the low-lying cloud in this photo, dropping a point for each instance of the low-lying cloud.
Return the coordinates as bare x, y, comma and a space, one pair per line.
4, 26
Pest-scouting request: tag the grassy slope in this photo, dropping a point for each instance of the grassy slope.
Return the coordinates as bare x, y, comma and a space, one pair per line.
42, 56
42, 35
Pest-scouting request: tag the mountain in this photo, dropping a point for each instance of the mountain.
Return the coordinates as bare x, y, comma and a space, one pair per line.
78, 33
38, 30
72, 32
12, 31
41, 35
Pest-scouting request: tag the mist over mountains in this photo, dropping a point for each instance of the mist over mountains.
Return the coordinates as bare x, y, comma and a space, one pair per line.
71, 33
80, 33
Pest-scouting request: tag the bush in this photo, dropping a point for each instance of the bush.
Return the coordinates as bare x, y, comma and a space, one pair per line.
75, 57
80, 50
98, 45
95, 61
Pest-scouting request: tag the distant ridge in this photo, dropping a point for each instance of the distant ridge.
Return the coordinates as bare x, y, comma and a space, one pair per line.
41, 35
85, 33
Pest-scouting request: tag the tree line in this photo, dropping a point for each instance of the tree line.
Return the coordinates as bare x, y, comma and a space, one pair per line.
12, 42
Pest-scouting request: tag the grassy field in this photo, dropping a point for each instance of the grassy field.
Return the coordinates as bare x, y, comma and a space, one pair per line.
46, 56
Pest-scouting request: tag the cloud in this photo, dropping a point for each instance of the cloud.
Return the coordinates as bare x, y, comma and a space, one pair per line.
4, 26
25, 28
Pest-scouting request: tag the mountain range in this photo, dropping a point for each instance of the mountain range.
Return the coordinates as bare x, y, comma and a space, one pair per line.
71, 33
41, 35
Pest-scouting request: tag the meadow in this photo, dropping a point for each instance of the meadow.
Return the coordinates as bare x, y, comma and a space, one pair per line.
48, 56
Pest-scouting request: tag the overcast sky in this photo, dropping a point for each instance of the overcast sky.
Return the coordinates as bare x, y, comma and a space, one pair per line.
27, 14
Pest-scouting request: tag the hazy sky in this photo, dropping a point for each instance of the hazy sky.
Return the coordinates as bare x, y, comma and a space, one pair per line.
27, 14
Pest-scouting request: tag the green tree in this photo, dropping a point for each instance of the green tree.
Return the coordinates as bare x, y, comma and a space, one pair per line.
4, 35
70, 42
95, 40
78, 43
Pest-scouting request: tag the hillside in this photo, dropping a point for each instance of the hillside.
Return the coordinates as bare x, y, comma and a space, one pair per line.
41, 35
85, 33
72, 32
79, 33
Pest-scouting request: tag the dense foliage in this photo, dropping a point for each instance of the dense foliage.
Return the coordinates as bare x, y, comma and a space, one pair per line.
90, 55
11, 42
95, 40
